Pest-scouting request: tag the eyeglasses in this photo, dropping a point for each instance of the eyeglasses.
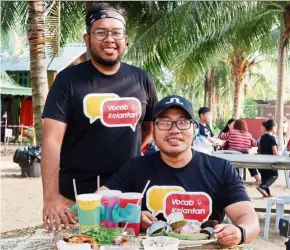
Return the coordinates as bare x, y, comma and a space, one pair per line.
167, 125
116, 33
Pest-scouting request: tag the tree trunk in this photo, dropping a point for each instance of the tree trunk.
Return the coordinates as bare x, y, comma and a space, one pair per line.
38, 74
239, 69
209, 91
280, 96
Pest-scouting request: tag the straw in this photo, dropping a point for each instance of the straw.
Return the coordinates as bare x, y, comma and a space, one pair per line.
98, 182
75, 189
144, 190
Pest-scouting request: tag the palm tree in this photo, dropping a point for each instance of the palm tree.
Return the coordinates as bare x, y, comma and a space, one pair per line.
194, 36
38, 74
284, 14
50, 24
41, 20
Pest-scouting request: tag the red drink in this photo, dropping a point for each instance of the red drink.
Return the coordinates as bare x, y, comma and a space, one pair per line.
132, 198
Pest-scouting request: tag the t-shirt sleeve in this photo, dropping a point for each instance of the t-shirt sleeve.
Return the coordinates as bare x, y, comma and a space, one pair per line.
201, 130
224, 136
253, 142
273, 141
57, 105
152, 99
122, 180
233, 189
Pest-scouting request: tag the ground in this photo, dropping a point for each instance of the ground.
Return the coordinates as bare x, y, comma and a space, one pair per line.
21, 203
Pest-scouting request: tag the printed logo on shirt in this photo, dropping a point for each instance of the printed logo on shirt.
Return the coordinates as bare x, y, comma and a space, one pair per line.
112, 110
195, 206
155, 195
207, 132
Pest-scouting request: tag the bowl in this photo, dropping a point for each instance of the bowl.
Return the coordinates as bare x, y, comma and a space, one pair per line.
161, 243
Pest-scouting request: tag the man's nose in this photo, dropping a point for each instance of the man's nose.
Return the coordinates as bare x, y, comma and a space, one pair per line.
109, 37
174, 129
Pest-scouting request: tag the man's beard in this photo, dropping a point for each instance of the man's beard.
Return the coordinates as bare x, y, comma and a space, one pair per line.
101, 61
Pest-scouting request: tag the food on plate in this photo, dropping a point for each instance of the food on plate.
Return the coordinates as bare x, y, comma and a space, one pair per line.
183, 231
195, 236
109, 236
189, 229
209, 223
78, 239
208, 230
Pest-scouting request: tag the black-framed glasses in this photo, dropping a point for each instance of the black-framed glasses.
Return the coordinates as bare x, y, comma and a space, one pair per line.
168, 125
116, 33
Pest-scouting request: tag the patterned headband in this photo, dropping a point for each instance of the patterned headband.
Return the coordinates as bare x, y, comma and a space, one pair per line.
105, 14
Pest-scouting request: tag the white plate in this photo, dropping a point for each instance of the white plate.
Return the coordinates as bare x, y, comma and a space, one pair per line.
192, 243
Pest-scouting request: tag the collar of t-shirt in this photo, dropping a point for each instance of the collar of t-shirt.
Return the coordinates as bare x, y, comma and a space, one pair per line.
95, 71
165, 165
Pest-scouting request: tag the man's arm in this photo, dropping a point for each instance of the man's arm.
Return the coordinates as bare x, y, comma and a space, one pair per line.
53, 132
53, 208
147, 129
243, 214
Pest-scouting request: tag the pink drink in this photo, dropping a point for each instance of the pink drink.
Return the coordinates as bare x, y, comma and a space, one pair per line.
109, 199
132, 198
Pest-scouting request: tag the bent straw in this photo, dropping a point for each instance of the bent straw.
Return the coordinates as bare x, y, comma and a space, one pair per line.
146, 186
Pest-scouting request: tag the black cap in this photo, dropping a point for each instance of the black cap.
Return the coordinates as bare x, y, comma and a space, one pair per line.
173, 101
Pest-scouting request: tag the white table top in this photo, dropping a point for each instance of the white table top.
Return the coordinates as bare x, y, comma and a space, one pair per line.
257, 161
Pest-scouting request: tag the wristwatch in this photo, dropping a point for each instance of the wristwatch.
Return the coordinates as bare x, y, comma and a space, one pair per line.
243, 234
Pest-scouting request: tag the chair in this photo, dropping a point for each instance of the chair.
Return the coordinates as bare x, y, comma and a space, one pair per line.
286, 172
280, 201
231, 152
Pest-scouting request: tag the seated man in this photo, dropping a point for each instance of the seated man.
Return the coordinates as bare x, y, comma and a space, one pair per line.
179, 167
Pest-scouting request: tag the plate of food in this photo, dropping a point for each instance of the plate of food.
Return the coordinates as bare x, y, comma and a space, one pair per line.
188, 233
95, 239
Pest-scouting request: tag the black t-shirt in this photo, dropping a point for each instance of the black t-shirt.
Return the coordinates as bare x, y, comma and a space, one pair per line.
101, 112
214, 176
267, 141
205, 130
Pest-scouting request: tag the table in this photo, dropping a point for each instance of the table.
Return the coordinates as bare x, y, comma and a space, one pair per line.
257, 161
37, 238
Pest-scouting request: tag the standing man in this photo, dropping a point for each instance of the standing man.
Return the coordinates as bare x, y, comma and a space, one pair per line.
97, 116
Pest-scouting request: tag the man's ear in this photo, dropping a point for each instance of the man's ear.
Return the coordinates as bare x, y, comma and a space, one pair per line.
86, 38
126, 40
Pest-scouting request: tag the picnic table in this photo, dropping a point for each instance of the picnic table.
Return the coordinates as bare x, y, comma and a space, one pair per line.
37, 238
257, 161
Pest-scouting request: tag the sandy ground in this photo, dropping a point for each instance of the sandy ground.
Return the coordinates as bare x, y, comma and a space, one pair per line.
21, 203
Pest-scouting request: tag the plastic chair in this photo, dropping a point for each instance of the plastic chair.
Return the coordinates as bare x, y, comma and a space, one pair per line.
280, 201
231, 152
286, 172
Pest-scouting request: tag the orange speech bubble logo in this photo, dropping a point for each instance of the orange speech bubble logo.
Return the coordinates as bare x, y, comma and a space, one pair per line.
155, 196
122, 112
92, 104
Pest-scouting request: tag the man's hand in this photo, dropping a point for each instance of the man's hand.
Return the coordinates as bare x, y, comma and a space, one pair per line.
228, 235
147, 219
56, 214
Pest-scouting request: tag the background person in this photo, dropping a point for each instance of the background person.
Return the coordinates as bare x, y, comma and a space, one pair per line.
229, 126
241, 140
268, 146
